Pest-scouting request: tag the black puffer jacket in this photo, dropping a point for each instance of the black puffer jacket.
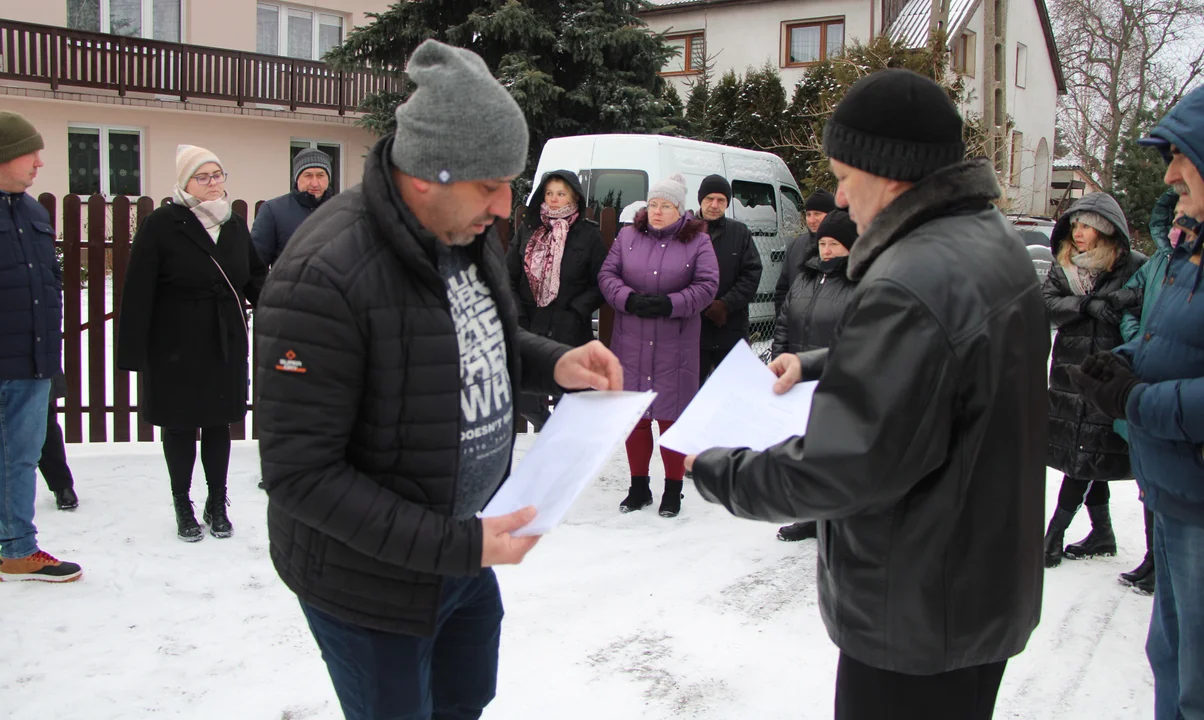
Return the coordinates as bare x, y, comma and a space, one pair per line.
568, 318
814, 307
359, 408
739, 276
925, 452
798, 249
1082, 442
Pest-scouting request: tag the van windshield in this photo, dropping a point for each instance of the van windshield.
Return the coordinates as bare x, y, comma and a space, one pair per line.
614, 188
754, 205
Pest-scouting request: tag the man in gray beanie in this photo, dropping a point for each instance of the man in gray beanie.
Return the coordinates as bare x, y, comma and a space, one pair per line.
925, 450
31, 317
278, 218
389, 356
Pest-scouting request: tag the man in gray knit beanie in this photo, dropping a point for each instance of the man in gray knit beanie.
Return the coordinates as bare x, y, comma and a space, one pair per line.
389, 357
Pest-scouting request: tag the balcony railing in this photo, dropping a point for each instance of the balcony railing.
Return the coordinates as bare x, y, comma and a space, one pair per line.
60, 57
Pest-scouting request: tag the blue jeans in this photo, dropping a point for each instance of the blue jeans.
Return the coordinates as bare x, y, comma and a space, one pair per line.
23, 407
387, 676
1175, 646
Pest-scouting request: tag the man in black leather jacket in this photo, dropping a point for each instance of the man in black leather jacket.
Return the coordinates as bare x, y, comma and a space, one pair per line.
924, 460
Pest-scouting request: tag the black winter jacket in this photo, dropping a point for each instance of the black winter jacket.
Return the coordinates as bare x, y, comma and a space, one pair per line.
359, 408
31, 291
798, 249
739, 277
181, 324
569, 318
279, 218
925, 452
814, 307
1082, 442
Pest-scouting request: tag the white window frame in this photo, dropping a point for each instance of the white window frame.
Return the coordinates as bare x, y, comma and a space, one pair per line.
313, 145
1021, 65
282, 26
148, 19
105, 190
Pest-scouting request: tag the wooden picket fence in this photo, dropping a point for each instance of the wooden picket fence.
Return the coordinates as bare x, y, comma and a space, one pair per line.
96, 234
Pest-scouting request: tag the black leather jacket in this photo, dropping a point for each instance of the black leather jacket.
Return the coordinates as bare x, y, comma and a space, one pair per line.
925, 454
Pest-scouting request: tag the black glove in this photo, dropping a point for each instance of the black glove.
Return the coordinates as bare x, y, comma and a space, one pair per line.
1099, 309
1105, 380
649, 306
1127, 299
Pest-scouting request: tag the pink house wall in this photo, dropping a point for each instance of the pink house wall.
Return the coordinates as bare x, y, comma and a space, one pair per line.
255, 151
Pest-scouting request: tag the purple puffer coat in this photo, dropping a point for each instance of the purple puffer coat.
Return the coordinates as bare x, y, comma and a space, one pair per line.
661, 354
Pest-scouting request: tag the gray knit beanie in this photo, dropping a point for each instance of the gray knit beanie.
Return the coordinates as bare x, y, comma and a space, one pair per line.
460, 123
673, 189
311, 158
1094, 220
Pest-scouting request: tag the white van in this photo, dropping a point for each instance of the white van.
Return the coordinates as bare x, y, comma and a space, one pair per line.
617, 170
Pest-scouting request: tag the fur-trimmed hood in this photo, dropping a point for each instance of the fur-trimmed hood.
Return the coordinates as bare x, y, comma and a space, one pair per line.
966, 186
689, 229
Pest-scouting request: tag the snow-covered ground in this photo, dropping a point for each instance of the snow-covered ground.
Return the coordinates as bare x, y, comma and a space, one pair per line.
612, 616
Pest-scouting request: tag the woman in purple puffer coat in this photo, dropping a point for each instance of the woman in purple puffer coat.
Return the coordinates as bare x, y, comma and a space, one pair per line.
659, 276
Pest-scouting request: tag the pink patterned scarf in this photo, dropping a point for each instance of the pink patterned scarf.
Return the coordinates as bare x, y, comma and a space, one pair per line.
545, 250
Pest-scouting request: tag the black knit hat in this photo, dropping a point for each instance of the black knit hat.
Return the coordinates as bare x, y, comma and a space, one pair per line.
820, 201
895, 124
838, 226
714, 184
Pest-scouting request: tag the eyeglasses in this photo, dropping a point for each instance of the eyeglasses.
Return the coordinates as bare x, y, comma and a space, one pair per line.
217, 177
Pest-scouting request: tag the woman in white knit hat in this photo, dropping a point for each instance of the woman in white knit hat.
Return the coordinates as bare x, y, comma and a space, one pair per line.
183, 329
1094, 260
660, 274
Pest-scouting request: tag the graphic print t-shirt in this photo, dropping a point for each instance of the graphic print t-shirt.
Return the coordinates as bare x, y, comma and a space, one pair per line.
486, 401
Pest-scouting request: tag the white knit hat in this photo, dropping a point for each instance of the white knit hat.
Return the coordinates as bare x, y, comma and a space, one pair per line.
189, 158
1094, 220
673, 189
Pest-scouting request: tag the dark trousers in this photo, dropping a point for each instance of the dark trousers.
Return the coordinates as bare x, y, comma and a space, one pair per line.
867, 693
53, 463
712, 353
450, 676
179, 450
1075, 493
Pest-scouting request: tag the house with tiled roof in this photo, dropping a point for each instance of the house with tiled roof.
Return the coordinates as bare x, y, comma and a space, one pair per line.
1005, 50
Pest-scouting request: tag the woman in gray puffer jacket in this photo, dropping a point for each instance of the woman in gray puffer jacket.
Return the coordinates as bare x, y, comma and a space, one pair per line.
814, 306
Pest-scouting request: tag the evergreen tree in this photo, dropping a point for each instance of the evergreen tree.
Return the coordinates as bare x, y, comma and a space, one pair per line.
576, 67
762, 107
1138, 179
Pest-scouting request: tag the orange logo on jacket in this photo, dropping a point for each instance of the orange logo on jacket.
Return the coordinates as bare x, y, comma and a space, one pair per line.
290, 363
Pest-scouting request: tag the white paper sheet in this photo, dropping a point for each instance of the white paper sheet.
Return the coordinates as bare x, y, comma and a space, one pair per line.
570, 452
737, 407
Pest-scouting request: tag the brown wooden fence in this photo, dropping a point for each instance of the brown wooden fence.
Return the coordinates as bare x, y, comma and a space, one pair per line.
95, 235
75, 58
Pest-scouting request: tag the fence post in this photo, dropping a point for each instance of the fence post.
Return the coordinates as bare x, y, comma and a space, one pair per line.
72, 335
97, 400
121, 258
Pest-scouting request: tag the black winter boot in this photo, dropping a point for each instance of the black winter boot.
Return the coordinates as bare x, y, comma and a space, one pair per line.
1056, 535
639, 496
215, 515
1100, 541
187, 528
671, 500
1145, 585
1147, 563
798, 531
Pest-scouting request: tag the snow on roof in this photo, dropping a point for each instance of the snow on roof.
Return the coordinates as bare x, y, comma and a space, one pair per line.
912, 24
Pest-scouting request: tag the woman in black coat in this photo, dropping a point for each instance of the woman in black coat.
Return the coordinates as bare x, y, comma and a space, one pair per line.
553, 266
182, 328
1093, 260
813, 308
